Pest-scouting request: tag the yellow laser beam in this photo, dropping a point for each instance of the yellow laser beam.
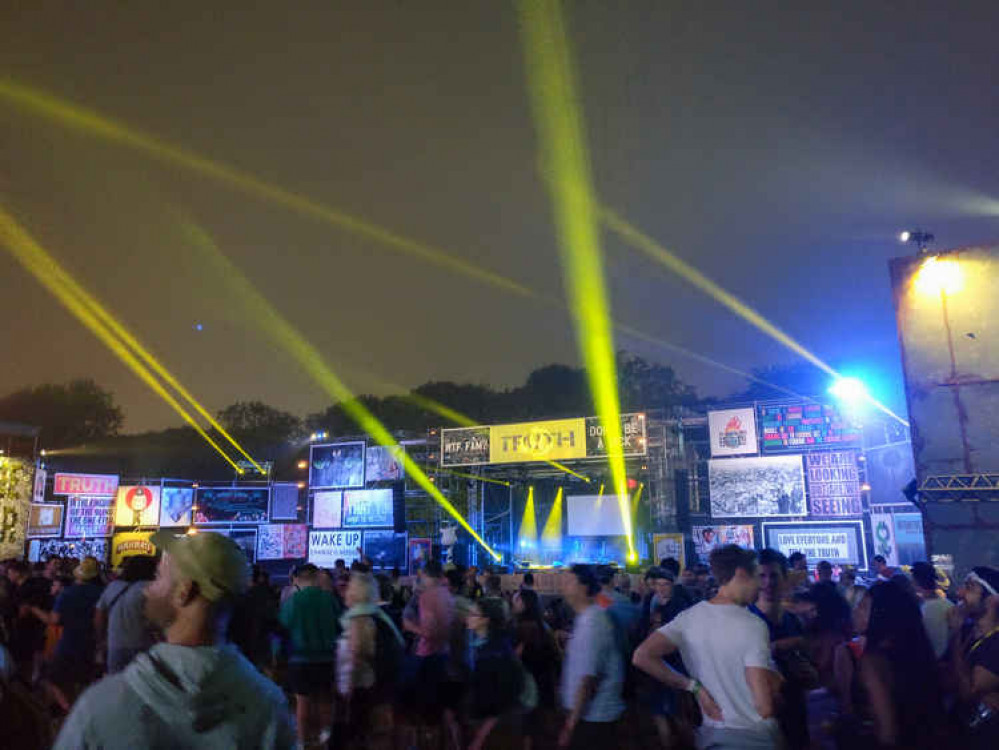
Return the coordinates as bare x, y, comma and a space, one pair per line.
559, 123
551, 534
48, 273
638, 496
528, 534
95, 124
284, 334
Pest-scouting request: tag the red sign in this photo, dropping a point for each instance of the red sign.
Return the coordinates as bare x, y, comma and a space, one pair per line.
145, 499
95, 485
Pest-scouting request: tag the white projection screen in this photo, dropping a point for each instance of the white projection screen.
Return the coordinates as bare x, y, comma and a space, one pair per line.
594, 515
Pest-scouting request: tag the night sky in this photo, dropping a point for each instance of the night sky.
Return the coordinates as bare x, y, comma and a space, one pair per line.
777, 148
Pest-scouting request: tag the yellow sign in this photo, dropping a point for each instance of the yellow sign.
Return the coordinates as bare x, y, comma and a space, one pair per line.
668, 545
557, 440
129, 544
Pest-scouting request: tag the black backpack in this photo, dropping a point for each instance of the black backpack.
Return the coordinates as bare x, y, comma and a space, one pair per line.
389, 653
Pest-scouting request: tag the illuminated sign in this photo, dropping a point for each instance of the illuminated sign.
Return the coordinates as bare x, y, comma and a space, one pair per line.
94, 485
837, 542
792, 429
833, 483
528, 442
130, 544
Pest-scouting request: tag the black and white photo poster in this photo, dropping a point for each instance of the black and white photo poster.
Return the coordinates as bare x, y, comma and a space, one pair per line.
743, 487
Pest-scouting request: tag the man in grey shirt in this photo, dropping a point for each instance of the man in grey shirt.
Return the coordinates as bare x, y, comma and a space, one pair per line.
593, 673
120, 610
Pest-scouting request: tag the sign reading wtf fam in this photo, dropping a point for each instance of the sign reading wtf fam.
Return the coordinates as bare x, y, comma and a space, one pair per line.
554, 440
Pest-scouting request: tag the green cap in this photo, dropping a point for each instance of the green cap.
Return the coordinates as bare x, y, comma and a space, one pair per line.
215, 562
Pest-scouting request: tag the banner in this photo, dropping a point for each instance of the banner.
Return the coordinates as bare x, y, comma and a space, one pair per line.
794, 428
45, 520
840, 543
130, 544
385, 549
327, 510
889, 469
883, 533
40, 550
326, 547
668, 545
175, 506
557, 440
909, 538
833, 484
38, 495
733, 432
16, 485
465, 446
383, 464
227, 505
282, 541
419, 554
771, 486
284, 502
336, 466
95, 485
633, 437
138, 505
707, 538
245, 538
88, 517
362, 508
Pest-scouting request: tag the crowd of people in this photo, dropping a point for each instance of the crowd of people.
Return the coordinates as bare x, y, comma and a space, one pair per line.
195, 649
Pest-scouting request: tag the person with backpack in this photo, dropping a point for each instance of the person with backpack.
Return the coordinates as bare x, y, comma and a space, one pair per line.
369, 656
119, 616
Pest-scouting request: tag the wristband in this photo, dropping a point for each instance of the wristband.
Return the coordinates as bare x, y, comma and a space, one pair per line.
695, 687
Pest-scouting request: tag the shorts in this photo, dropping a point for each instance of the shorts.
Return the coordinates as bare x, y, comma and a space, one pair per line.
310, 678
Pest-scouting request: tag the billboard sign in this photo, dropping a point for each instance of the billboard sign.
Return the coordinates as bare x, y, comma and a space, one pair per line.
386, 549
282, 541
327, 510
833, 484
633, 436
382, 464
326, 547
45, 520
668, 545
88, 517
909, 539
336, 466
175, 506
465, 446
362, 508
138, 505
838, 542
800, 427
707, 538
130, 544
733, 432
95, 485
226, 505
756, 486
40, 550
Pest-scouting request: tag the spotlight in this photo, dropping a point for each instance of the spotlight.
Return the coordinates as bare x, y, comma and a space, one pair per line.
301, 485
303, 464
904, 236
916, 237
936, 277
44, 453
850, 390
865, 487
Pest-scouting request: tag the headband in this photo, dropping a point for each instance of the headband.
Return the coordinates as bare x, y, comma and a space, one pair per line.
973, 577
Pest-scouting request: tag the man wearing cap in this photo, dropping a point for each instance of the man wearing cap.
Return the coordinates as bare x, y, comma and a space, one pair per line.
194, 690
975, 655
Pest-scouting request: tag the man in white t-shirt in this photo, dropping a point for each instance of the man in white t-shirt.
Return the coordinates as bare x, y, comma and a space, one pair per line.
934, 606
726, 649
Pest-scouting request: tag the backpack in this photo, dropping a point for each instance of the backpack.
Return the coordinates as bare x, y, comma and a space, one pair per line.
389, 653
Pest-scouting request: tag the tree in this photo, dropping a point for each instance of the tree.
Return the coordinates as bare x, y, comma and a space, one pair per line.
648, 385
257, 423
68, 415
785, 381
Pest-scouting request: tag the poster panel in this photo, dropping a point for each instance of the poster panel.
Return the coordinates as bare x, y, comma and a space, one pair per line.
767, 486
707, 538
419, 554
327, 510
93, 485
284, 501
137, 505
385, 549
555, 440
668, 545
909, 538
798, 427
245, 538
38, 495
465, 446
889, 469
336, 466
45, 520
282, 541
88, 517
16, 485
363, 508
833, 484
383, 464
633, 437
883, 533
326, 547
175, 506
838, 542
227, 505
129, 544
733, 432
40, 550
